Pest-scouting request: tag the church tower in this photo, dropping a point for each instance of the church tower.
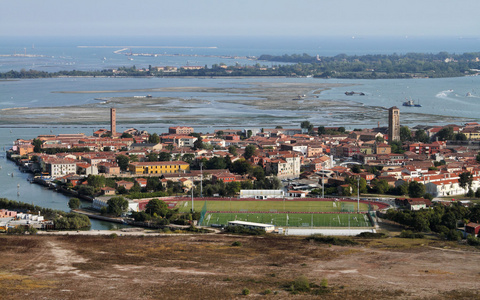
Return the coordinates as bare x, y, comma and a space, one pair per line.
113, 121
393, 124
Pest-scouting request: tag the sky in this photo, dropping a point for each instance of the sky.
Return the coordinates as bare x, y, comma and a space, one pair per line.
240, 18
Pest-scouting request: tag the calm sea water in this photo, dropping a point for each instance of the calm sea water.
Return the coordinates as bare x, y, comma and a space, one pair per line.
458, 97
65, 53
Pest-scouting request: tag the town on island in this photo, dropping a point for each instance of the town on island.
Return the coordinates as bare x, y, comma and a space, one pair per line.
294, 181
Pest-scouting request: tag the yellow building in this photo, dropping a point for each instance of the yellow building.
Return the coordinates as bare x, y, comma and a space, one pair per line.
159, 167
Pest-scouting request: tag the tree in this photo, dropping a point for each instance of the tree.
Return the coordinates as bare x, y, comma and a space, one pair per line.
188, 157
96, 181
241, 166
123, 161
232, 150
321, 130
198, 144
156, 207
421, 136
164, 156
465, 180
446, 134
216, 163
403, 189
86, 190
37, 145
117, 206
306, 126
152, 156
152, 183
380, 186
154, 139
356, 169
460, 137
405, 134
74, 203
416, 189
249, 151
396, 147
126, 135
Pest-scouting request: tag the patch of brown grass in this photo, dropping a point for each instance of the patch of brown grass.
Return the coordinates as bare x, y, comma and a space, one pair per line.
15, 282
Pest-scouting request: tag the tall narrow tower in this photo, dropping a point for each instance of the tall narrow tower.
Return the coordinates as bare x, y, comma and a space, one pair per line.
393, 124
113, 121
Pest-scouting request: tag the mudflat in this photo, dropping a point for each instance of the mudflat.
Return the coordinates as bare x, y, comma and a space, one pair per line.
249, 104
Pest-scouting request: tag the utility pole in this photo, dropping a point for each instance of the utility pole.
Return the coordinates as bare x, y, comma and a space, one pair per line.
358, 194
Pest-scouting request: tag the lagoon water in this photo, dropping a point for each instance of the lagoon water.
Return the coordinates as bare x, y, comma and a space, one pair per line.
454, 97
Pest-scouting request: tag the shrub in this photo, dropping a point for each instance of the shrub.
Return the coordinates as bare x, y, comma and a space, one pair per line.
324, 283
301, 284
332, 240
243, 230
372, 235
236, 244
408, 234
267, 292
245, 292
473, 241
453, 235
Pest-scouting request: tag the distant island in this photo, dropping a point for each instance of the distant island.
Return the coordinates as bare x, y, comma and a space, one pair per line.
377, 66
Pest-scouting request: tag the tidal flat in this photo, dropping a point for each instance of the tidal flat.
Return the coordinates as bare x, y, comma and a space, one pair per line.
260, 103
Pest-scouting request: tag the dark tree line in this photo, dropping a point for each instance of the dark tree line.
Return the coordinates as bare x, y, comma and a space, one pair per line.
339, 66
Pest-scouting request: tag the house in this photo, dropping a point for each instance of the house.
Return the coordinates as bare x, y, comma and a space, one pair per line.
180, 130
60, 167
383, 148
413, 203
225, 177
142, 182
187, 183
472, 228
146, 146
108, 191
123, 183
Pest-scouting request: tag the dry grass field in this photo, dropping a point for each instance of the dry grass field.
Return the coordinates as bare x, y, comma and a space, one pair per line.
210, 267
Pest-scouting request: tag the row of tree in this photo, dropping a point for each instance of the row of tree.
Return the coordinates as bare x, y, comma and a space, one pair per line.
441, 219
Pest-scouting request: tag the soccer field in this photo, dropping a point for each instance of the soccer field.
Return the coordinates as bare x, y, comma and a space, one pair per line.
273, 206
291, 219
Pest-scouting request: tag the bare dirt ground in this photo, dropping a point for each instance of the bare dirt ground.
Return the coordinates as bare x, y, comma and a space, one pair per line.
209, 267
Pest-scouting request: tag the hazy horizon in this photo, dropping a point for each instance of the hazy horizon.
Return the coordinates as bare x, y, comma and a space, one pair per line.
246, 18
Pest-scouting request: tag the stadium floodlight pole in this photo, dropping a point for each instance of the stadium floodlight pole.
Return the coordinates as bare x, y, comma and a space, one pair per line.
192, 200
201, 180
323, 183
358, 194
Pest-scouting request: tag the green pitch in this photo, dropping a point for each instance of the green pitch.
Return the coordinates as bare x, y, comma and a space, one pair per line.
273, 206
291, 219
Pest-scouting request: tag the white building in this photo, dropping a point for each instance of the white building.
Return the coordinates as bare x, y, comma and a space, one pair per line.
61, 167
262, 194
448, 187
252, 225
